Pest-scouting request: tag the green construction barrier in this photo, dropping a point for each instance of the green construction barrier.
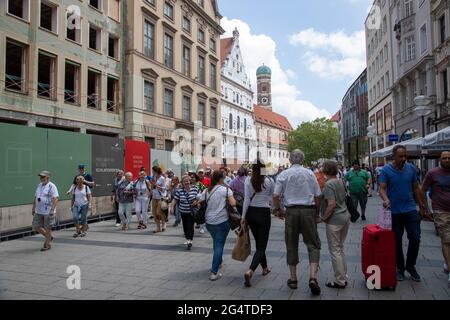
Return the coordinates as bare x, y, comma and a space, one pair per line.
66, 150
23, 154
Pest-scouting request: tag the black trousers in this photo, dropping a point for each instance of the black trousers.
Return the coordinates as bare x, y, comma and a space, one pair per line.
188, 225
116, 206
259, 221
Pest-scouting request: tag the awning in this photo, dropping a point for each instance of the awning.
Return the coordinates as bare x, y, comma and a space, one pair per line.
437, 137
411, 146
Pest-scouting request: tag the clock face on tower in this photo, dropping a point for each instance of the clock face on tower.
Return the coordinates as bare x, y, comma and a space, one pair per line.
265, 100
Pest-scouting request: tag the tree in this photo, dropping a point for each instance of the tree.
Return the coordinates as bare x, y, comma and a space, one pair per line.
318, 140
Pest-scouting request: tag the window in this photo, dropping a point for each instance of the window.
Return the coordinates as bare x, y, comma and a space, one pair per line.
245, 125
114, 9
112, 95
168, 102
73, 28
186, 24
168, 51
201, 69
46, 86
423, 39
384, 25
380, 129
152, 2
19, 8
201, 36
212, 44
149, 35
149, 93
96, 4
213, 117
201, 113
49, 17
388, 117
16, 66
410, 48
442, 29
72, 83
168, 145
95, 38
213, 76
186, 108
113, 47
386, 53
186, 61
93, 89
445, 83
238, 123
230, 122
408, 8
168, 10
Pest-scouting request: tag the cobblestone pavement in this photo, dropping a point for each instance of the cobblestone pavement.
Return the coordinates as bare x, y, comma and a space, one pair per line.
139, 265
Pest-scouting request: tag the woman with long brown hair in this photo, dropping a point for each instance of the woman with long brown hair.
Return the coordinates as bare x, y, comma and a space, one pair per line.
217, 219
159, 192
258, 192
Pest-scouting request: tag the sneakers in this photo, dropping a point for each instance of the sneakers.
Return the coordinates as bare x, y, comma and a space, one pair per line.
215, 276
414, 275
363, 218
400, 276
202, 231
118, 225
189, 245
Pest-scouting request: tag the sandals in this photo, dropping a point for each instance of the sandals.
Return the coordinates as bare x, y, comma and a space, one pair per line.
248, 277
334, 285
46, 248
266, 272
292, 284
314, 286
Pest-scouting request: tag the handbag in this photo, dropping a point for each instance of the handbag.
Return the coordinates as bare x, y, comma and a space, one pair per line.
233, 214
242, 248
354, 214
200, 214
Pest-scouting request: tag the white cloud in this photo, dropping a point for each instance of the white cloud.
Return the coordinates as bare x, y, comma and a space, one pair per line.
259, 49
335, 55
291, 74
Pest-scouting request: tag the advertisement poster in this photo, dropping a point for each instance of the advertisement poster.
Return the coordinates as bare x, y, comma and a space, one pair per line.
137, 155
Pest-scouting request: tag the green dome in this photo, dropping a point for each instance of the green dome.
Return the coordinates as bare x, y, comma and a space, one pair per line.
263, 70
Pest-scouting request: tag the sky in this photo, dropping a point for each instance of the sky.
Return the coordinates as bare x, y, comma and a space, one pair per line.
316, 50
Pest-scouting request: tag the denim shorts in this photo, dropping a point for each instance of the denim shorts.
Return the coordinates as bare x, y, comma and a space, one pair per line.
41, 221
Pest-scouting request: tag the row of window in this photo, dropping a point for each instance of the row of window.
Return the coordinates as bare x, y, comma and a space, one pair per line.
380, 88
238, 98
186, 64
49, 13
382, 120
17, 78
379, 62
168, 105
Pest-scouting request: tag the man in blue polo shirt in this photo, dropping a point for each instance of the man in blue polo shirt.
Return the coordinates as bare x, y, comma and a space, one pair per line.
399, 187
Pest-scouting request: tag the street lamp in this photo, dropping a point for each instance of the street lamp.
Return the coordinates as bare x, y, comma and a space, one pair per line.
370, 134
422, 109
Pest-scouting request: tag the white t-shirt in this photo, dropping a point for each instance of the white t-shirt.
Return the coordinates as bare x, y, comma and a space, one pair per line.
161, 191
216, 212
44, 196
81, 196
142, 191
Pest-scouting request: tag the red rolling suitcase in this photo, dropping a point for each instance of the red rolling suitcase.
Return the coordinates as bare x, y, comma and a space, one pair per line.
378, 249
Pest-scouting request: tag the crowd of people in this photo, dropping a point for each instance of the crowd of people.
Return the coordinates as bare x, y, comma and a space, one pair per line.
301, 196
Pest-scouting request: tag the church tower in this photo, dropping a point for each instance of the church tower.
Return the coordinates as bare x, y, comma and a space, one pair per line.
264, 81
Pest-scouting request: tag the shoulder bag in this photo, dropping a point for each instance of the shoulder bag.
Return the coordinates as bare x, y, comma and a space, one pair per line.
200, 214
233, 213
354, 214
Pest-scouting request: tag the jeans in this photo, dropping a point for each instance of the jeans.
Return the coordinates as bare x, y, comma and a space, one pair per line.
142, 209
219, 234
360, 197
125, 212
411, 222
188, 226
259, 222
80, 210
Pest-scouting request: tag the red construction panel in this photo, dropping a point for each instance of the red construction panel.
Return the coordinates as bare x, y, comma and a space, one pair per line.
137, 155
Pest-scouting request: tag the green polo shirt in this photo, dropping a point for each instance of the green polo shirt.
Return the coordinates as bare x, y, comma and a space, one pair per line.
357, 181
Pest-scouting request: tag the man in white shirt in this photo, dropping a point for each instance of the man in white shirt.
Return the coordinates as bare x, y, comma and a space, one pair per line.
301, 196
44, 208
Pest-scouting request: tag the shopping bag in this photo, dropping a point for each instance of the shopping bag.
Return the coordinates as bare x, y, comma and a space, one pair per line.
385, 219
242, 248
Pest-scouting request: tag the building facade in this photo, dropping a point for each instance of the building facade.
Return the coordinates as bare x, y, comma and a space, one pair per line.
380, 73
414, 72
272, 129
61, 65
173, 75
440, 18
238, 121
355, 120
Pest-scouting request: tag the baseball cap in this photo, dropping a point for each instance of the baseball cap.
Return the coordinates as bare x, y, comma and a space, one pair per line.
201, 170
81, 166
44, 174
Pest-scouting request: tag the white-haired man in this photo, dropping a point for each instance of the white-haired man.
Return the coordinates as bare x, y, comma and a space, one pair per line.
301, 196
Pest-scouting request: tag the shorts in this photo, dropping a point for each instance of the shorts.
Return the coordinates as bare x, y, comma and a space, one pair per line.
41, 221
442, 223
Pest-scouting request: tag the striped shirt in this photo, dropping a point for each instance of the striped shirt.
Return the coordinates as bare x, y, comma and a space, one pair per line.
186, 199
